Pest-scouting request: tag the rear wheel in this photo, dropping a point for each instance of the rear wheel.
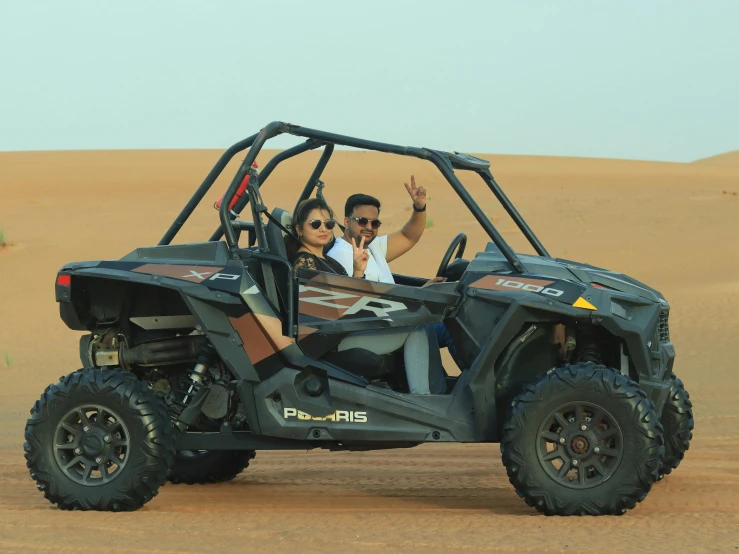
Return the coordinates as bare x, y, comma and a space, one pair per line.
582, 440
209, 466
99, 440
677, 419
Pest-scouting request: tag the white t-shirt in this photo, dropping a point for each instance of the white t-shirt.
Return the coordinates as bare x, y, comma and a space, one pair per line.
377, 267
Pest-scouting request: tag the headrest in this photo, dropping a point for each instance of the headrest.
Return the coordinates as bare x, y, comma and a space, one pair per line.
285, 219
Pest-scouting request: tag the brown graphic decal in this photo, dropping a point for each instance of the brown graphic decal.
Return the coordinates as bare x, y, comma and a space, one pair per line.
262, 335
331, 304
324, 302
193, 273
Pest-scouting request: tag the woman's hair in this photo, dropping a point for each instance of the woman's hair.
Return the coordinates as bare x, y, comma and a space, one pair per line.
302, 211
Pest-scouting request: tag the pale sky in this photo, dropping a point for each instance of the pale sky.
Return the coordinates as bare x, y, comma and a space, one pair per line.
643, 79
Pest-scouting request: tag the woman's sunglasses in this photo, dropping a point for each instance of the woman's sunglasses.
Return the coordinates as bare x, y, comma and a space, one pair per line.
363, 222
316, 223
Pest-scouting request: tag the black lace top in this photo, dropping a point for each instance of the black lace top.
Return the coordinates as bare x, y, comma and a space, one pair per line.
311, 261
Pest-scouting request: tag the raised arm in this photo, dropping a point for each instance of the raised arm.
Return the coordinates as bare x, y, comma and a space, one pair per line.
399, 242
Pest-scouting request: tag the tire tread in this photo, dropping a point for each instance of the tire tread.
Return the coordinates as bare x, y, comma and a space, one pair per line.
616, 386
146, 473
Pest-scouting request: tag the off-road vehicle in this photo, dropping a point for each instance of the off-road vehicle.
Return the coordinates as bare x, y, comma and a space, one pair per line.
197, 355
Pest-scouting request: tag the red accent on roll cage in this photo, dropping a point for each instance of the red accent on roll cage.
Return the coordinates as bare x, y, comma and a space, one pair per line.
239, 193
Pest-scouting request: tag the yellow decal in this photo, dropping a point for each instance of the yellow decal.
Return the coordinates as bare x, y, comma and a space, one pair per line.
582, 303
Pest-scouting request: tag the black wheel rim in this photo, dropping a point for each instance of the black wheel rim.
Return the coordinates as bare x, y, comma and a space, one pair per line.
91, 445
580, 445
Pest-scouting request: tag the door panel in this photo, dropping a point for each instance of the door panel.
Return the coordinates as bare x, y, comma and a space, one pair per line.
336, 304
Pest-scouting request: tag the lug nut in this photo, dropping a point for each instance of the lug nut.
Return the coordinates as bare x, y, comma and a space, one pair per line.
575, 462
106, 438
596, 449
86, 429
583, 427
99, 460
78, 451
562, 440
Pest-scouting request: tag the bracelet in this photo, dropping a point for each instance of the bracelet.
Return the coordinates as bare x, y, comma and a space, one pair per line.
419, 209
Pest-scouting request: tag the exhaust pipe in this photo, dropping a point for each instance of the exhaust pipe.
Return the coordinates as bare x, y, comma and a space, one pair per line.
154, 353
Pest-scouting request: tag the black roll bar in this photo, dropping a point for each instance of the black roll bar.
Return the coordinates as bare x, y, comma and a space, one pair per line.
355, 142
272, 130
241, 203
316, 175
513, 212
446, 169
309, 144
444, 161
205, 187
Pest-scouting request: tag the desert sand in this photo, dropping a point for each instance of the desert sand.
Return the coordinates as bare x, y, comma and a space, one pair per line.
671, 225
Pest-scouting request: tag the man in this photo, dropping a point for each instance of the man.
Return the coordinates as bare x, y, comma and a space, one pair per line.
361, 220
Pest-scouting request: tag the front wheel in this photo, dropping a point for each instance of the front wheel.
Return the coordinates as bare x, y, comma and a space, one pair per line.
677, 419
582, 440
99, 440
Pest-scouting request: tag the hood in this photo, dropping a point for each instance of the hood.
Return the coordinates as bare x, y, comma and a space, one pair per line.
493, 261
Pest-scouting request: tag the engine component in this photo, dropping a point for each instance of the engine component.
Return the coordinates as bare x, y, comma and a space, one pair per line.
107, 357
588, 349
570, 345
216, 404
205, 358
160, 352
162, 386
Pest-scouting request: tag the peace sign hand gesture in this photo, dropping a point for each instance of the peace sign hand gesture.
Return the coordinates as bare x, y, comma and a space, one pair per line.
418, 194
361, 257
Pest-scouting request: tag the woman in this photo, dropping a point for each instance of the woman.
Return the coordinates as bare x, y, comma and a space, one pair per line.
313, 223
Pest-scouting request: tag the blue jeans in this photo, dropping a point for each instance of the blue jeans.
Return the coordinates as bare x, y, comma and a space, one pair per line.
444, 338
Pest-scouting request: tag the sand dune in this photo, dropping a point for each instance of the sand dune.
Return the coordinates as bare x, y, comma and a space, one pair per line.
728, 158
670, 225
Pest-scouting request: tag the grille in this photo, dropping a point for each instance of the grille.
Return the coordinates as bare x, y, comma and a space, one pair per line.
664, 327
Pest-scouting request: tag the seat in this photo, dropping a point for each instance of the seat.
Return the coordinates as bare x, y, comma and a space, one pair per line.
276, 236
365, 363
275, 274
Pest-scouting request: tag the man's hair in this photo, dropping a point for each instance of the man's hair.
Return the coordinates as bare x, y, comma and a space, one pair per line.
360, 200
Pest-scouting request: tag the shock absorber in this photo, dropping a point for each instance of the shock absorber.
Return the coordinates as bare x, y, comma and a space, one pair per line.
588, 350
195, 379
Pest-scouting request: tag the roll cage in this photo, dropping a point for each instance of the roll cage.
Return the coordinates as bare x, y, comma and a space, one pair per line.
446, 162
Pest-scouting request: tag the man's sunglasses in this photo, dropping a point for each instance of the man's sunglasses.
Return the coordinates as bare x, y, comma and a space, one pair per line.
316, 223
363, 222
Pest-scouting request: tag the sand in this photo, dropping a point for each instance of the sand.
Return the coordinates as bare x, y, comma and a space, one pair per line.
727, 158
671, 225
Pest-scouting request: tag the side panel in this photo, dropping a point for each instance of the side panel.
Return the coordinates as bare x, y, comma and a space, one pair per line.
495, 312
332, 306
347, 412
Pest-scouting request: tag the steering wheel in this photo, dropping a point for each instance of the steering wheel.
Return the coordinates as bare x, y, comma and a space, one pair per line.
459, 241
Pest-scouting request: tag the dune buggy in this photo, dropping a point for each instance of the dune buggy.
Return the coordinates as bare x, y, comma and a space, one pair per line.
197, 355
